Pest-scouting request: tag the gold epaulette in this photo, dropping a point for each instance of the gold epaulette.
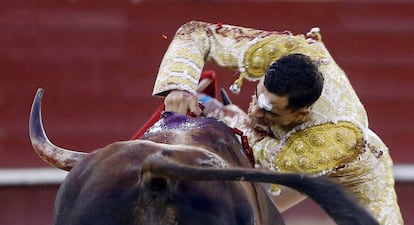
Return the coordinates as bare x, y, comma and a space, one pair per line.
320, 149
264, 52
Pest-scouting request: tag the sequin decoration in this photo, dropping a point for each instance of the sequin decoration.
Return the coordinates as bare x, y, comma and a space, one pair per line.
263, 53
320, 148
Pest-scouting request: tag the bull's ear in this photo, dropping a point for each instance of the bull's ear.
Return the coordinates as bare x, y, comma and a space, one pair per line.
56, 156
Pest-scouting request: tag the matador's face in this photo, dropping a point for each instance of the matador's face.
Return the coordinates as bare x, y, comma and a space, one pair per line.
268, 109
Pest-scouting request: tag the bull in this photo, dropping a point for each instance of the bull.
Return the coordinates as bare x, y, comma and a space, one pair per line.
183, 171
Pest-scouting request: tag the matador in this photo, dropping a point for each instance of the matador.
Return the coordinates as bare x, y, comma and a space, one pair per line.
334, 140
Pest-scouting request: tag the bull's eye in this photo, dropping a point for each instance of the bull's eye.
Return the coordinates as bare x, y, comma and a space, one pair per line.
158, 184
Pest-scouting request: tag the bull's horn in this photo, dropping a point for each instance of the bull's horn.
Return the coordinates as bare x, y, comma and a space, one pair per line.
337, 201
56, 156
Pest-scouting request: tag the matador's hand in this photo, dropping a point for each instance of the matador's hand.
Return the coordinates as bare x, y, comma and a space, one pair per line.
182, 102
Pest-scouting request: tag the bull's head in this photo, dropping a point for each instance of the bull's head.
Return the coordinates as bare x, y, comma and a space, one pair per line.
126, 182
178, 173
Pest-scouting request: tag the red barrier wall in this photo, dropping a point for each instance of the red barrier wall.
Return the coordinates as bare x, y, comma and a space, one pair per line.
97, 62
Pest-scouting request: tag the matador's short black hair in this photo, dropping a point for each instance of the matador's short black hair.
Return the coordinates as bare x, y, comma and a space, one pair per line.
295, 76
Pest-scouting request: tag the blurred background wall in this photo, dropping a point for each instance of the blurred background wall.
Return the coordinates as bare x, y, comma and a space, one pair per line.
97, 61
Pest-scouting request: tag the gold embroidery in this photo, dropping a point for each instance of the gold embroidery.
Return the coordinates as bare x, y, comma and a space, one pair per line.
320, 148
180, 67
188, 55
263, 53
259, 56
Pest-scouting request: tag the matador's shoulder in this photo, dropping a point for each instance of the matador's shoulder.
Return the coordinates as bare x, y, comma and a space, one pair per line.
320, 149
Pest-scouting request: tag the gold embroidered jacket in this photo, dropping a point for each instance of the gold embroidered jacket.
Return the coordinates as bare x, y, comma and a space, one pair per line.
335, 139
